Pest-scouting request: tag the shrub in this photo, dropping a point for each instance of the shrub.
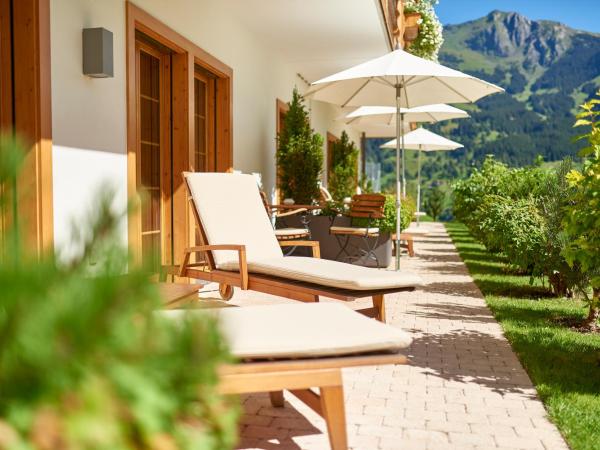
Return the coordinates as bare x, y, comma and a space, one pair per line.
434, 201
516, 228
582, 221
299, 154
518, 212
344, 171
85, 363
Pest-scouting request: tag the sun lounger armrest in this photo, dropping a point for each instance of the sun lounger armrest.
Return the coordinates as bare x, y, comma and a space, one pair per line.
241, 249
316, 250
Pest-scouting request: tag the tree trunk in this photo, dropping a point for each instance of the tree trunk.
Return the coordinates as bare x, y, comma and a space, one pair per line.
594, 312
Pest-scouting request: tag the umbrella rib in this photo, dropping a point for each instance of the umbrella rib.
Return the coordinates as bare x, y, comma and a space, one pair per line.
356, 92
454, 90
383, 80
420, 80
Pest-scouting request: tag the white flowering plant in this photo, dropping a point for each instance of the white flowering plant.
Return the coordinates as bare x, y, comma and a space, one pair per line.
430, 39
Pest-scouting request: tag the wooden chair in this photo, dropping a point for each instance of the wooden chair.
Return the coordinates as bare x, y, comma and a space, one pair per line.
367, 207
240, 250
293, 347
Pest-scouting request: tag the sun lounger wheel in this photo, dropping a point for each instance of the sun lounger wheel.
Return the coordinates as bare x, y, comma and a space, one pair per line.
226, 291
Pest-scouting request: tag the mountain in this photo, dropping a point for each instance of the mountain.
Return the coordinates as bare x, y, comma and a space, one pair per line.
547, 70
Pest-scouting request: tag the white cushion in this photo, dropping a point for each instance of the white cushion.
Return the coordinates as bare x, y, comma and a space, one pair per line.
290, 231
232, 212
302, 331
352, 230
330, 273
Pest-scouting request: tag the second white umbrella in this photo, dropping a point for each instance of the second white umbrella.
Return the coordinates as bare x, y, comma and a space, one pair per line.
382, 119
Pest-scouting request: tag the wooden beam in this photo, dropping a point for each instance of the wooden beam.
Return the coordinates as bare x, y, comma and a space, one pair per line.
32, 120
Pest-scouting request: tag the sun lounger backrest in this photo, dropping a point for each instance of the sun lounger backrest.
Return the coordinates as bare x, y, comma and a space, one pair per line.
231, 212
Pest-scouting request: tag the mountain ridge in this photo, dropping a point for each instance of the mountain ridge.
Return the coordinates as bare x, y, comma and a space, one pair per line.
547, 69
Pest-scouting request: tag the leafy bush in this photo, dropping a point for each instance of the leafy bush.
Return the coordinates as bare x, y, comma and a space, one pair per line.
434, 201
344, 171
515, 227
518, 212
582, 221
85, 363
299, 155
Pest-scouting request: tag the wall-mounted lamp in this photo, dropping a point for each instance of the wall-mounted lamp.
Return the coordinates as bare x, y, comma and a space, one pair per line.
97, 52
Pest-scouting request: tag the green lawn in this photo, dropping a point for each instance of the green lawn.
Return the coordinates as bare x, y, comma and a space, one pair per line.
563, 364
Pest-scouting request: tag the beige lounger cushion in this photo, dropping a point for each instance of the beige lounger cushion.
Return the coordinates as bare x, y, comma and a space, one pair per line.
330, 273
232, 212
302, 330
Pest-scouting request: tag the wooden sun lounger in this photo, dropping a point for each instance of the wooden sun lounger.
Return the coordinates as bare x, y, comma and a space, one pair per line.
298, 377
296, 290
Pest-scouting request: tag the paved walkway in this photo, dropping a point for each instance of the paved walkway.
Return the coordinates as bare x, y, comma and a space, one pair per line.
463, 388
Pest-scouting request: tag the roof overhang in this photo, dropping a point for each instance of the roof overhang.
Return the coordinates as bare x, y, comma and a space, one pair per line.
317, 37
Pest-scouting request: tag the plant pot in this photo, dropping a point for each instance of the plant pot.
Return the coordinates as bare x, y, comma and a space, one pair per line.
411, 26
330, 247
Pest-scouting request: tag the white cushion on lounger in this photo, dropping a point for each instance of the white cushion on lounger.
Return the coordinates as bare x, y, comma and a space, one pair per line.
232, 212
330, 273
302, 330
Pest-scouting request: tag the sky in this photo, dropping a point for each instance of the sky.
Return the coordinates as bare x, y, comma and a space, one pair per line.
580, 14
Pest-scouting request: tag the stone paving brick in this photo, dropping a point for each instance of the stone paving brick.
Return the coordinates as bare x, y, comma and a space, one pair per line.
464, 387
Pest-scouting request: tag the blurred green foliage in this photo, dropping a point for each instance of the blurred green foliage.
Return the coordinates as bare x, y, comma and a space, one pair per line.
86, 362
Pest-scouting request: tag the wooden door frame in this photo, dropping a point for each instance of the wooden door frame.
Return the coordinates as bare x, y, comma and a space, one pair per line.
185, 55
29, 115
281, 108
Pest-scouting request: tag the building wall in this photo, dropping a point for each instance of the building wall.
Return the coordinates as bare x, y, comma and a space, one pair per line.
89, 115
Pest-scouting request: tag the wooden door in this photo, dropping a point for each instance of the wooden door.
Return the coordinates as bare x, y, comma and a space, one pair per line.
154, 154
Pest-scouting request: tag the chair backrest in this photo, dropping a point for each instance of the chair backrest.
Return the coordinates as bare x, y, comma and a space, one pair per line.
230, 211
367, 205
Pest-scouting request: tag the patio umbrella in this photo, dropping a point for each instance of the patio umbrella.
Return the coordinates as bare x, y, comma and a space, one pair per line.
369, 119
402, 80
426, 141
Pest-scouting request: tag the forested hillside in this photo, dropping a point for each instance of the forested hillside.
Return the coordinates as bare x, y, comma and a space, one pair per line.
547, 70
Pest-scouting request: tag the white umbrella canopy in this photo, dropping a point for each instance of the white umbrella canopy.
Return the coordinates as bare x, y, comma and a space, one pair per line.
405, 81
379, 121
426, 141
421, 82
386, 115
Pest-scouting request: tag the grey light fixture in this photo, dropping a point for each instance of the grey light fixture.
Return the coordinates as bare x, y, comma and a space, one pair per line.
97, 52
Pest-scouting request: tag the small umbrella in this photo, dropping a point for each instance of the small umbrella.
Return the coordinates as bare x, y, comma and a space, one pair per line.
402, 80
378, 121
427, 141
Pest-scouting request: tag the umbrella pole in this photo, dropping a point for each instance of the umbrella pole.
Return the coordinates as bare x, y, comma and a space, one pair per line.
399, 124
419, 187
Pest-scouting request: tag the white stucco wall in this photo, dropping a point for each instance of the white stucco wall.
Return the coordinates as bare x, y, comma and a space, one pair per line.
89, 115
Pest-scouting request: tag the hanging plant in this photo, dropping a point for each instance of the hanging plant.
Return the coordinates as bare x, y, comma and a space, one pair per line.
430, 39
